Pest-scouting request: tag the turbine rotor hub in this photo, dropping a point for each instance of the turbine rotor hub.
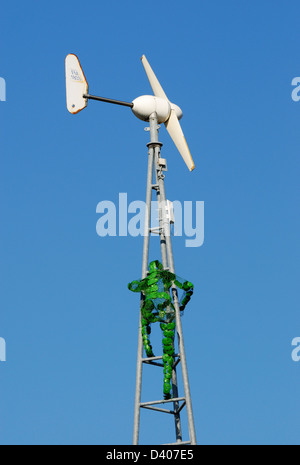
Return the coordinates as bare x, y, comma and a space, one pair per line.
146, 105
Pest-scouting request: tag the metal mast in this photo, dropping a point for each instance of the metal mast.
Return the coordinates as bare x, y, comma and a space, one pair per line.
168, 263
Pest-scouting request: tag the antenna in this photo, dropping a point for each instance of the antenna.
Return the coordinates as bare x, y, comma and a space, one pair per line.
155, 109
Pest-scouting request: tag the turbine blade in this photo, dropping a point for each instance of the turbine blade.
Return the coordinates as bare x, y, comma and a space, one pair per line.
156, 87
175, 131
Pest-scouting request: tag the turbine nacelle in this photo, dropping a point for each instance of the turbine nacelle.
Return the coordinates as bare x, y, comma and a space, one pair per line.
146, 105
178, 111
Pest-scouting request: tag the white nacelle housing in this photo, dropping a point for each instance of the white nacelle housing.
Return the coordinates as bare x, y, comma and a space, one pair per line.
177, 110
144, 106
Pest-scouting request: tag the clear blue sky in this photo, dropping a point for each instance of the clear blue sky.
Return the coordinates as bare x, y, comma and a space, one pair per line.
68, 319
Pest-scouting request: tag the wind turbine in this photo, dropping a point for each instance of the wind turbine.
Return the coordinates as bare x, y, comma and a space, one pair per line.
142, 107
155, 109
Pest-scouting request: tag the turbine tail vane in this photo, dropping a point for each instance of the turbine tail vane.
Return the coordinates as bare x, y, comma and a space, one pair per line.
76, 85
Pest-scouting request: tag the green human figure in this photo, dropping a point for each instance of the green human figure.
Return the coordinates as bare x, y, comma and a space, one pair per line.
157, 306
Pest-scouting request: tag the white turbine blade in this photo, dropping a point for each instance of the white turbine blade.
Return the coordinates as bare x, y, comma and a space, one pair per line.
156, 87
76, 85
175, 131
172, 125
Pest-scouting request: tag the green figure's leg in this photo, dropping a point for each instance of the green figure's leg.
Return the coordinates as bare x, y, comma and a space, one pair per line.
168, 357
146, 331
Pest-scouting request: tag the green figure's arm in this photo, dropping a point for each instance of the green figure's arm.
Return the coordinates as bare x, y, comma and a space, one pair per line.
138, 286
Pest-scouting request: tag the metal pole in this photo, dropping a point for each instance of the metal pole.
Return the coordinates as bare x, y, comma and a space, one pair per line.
178, 316
108, 100
139, 372
157, 147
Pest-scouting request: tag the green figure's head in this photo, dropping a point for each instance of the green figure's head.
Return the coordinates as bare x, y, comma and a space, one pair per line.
155, 266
